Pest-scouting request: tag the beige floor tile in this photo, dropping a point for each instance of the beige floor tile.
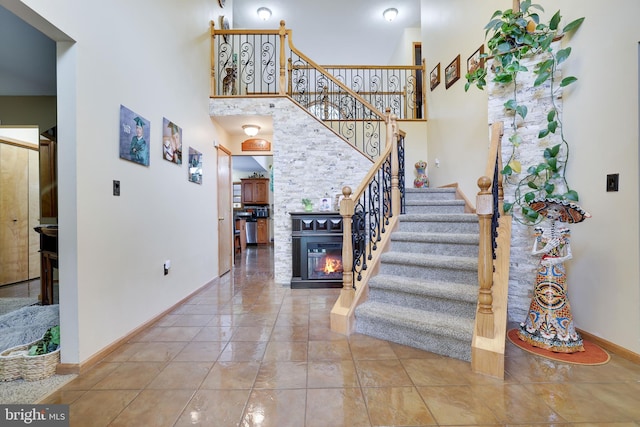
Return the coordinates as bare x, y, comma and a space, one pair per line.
181, 375
275, 408
405, 352
336, 407
200, 351
396, 406
156, 351
338, 373
290, 333
156, 408
382, 373
281, 375
329, 350
285, 351
427, 372
365, 347
172, 333
457, 405
243, 351
130, 375
514, 403
215, 333
219, 408
89, 379
98, 408
193, 320
231, 375
252, 333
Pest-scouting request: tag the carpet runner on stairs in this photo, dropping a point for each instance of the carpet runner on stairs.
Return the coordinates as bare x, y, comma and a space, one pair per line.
426, 291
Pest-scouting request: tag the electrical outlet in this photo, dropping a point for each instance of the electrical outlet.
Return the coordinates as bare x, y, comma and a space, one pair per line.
167, 266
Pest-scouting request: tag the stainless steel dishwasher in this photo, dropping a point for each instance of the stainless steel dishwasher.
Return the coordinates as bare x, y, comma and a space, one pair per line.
252, 232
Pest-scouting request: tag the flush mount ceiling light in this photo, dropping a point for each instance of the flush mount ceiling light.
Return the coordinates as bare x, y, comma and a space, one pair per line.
264, 13
390, 14
251, 130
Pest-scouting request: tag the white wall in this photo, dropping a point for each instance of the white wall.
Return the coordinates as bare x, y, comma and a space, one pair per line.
112, 248
601, 125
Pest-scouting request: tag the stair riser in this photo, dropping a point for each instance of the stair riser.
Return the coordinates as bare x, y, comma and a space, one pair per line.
439, 227
433, 209
417, 338
419, 195
431, 273
454, 249
424, 302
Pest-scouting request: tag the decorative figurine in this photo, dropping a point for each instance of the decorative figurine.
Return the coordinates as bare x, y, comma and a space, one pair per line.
549, 323
422, 180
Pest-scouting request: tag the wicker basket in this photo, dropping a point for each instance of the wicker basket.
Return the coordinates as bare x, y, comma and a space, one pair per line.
15, 363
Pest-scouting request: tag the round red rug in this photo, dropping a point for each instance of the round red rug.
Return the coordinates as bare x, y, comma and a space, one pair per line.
592, 354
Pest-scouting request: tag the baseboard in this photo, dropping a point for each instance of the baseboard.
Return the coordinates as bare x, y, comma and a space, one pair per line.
611, 347
82, 367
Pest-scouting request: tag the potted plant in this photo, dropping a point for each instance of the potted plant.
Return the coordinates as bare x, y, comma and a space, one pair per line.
33, 361
308, 205
517, 36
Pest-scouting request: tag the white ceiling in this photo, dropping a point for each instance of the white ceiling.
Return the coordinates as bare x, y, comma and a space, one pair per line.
335, 32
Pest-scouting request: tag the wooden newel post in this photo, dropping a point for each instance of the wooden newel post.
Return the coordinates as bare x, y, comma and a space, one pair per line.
346, 211
392, 135
283, 82
484, 209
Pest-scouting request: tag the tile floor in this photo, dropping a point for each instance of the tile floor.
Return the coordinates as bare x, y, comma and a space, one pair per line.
248, 352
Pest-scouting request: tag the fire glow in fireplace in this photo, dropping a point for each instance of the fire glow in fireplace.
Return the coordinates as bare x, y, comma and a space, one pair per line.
316, 250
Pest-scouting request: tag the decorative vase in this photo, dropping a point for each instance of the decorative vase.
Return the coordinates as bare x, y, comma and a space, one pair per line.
422, 180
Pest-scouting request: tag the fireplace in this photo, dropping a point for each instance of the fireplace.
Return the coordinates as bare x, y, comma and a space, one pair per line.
316, 241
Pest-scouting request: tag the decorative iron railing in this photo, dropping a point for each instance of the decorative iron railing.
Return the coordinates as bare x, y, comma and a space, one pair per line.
348, 99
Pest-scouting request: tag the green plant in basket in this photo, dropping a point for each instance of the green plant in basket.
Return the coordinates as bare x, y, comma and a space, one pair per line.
50, 342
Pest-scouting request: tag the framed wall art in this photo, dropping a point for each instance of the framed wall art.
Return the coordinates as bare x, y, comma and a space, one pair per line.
134, 137
452, 72
171, 141
476, 60
195, 166
434, 77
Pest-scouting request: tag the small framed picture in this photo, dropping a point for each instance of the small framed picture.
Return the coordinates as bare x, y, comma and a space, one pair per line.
325, 204
476, 60
452, 72
434, 77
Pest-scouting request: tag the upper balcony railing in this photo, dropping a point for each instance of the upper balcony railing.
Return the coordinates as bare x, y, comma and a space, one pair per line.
348, 99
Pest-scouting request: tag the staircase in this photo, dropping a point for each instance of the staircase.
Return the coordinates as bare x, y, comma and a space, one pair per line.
426, 292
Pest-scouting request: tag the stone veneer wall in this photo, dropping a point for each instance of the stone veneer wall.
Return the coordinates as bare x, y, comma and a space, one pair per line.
309, 161
538, 101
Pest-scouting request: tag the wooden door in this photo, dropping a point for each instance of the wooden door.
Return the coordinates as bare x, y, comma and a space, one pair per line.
225, 217
14, 214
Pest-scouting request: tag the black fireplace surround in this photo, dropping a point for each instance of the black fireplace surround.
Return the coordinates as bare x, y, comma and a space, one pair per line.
316, 240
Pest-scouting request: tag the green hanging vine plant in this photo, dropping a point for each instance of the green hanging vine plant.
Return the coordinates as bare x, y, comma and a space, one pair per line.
518, 35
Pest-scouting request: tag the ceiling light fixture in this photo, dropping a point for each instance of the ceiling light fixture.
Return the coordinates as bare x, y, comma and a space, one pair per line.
264, 13
390, 14
251, 130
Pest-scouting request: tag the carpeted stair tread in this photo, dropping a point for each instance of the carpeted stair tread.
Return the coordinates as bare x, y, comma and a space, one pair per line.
461, 238
437, 261
432, 323
435, 202
425, 288
455, 217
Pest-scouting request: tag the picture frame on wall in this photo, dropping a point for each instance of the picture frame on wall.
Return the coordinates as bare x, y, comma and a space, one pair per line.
476, 60
452, 72
434, 77
134, 137
171, 141
195, 166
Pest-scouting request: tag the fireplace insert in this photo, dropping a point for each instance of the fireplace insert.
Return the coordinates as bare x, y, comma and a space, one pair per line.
316, 250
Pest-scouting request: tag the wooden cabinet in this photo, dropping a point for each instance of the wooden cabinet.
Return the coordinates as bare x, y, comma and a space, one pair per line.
263, 231
255, 191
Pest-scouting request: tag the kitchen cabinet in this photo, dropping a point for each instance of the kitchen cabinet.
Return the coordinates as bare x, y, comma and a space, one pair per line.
255, 191
241, 226
263, 231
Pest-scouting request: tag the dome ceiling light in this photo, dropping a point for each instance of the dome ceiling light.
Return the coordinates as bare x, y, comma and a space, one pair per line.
264, 13
390, 14
251, 130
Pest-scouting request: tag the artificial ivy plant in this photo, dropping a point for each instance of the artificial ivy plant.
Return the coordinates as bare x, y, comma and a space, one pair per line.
516, 35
